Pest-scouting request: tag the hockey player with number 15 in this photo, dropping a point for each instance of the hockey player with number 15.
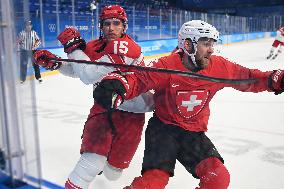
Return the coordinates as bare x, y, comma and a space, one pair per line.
109, 139
177, 129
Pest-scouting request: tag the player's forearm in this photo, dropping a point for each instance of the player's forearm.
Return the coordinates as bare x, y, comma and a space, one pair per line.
88, 74
139, 82
260, 85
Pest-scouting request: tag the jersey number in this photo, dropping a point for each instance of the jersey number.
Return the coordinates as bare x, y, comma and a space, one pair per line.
120, 46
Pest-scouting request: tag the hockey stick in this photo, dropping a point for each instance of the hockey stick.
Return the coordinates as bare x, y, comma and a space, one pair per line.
162, 70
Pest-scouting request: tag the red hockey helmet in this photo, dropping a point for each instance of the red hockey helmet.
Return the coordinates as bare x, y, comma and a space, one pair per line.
113, 11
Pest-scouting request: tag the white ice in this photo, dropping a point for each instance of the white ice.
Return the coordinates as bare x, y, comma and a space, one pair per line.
246, 128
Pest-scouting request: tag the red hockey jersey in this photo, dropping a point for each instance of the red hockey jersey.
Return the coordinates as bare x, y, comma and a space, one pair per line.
184, 101
120, 51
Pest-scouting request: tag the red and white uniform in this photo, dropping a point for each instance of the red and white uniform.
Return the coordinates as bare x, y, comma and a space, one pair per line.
184, 101
279, 39
98, 137
120, 51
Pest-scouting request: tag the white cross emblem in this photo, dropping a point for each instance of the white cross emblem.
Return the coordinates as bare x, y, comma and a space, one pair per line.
191, 103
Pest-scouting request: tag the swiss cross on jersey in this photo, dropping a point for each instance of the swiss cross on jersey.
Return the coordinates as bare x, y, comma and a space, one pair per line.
190, 103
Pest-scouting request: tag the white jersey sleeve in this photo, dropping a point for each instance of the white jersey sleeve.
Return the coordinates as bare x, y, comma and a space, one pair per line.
140, 104
92, 74
88, 74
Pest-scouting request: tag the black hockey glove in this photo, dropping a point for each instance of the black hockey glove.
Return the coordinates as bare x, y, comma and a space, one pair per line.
111, 91
276, 81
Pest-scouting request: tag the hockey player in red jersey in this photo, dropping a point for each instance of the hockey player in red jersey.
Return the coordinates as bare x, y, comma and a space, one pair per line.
109, 139
277, 44
177, 129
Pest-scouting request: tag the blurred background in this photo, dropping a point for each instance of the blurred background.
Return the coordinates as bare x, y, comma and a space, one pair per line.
149, 19
153, 24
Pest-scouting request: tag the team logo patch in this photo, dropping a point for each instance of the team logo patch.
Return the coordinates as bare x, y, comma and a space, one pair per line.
190, 103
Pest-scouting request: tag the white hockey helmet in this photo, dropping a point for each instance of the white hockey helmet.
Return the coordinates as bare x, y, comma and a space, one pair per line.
194, 30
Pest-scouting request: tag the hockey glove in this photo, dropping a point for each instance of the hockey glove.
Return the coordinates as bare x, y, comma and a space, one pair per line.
71, 40
276, 81
42, 58
111, 91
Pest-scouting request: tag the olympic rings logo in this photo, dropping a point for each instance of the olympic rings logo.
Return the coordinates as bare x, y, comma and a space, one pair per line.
52, 27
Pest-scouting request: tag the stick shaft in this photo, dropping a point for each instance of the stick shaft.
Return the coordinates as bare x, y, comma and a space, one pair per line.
162, 70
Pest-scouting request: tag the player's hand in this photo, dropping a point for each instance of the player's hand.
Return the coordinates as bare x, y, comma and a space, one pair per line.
42, 58
276, 81
71, 40
111, 91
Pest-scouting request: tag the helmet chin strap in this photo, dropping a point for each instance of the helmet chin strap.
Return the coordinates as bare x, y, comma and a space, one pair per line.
191, 57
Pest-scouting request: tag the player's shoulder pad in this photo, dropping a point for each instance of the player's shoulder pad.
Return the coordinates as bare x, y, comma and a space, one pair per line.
132, 43
171, 61
94, 44
217, 59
